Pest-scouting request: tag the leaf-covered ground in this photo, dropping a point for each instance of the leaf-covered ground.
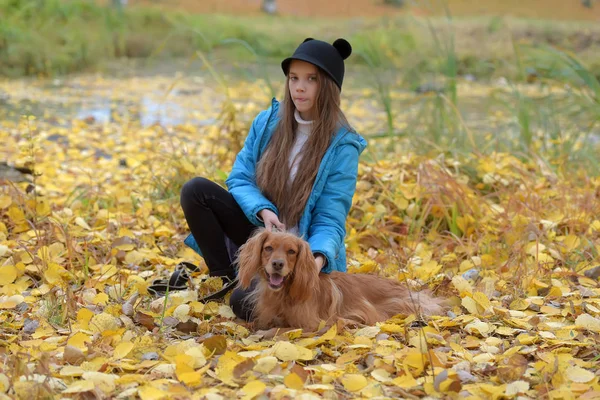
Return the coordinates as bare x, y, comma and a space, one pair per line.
511, 243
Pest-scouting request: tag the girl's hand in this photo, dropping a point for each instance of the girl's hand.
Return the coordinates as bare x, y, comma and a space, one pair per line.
270, 219
320, 262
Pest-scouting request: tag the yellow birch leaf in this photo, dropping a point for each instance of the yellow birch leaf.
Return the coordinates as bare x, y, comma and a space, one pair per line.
415, 360
104, 322
71, 370
134, 257
79, 387
197, 355
579, 375
427, 270
54, 274
16, 215
187, 166
193, 378
122, 350
571, 242
3, 248
8, 274
588, 322
505, 331
461, 284
266, 364
550, 310
5, 201
391, 328
104, 382
519, 304
42, 208
470, 305
478, 326
225, 366
482, 300
78, 341
286, 351
100, 298
365, 267
226, 312
369, 331
253, 389
148, 392
83, 317
81, 222
4, 383
293, 381
405, 381
555, 292
184, 363
163, 231
304, 354
12, 301
354, 382
182, 312
381, 375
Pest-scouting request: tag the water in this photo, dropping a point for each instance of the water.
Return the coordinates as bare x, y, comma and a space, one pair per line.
168, 97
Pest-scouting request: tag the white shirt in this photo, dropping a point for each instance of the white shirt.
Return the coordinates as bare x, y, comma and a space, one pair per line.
302, 134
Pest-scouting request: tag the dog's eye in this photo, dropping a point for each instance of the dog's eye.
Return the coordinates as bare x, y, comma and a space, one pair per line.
268, 248
291, 252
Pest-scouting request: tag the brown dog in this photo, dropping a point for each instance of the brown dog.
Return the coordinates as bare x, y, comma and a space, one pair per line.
292, 294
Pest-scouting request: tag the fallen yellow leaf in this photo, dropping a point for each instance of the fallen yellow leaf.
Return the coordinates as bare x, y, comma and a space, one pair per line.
354, 382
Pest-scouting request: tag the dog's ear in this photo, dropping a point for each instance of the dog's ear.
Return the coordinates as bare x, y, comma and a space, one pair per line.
249, 257
306, 277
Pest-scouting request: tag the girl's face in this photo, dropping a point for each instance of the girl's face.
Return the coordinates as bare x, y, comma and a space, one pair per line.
304, 86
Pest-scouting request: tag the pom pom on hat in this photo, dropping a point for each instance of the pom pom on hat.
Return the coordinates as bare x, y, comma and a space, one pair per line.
343, 47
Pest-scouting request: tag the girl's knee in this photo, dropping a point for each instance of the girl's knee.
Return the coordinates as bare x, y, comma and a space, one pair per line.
192, 189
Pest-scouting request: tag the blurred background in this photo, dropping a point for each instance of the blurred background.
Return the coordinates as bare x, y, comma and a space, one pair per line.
435, 75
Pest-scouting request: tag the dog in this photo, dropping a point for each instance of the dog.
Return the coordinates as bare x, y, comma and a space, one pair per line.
291, 293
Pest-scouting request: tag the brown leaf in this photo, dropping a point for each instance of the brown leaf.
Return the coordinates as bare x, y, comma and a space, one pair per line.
300, 371
216, 344
124, 241
512, 368
144, 320
240, 369
73, 355
187, 327
455, 386
593, 273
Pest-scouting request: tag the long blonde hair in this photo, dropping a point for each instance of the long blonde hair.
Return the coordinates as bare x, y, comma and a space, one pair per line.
273, 171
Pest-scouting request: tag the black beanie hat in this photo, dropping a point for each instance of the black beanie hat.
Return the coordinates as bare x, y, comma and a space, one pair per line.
330, 58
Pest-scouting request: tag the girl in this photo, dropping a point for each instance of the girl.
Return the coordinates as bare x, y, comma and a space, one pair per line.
296, 171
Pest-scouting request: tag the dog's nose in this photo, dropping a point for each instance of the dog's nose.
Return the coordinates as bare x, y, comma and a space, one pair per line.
277, 265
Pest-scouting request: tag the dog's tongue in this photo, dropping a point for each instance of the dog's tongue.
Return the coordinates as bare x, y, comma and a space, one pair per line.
275, 279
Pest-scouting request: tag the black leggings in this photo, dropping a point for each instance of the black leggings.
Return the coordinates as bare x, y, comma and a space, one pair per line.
211, 213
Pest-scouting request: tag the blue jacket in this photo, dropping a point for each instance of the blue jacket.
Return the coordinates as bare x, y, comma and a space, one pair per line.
323, 221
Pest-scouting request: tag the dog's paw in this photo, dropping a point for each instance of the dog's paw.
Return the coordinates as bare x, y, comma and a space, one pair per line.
344, 323
270, 333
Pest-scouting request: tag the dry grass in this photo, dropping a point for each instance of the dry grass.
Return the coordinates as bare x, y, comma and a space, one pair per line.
537, 9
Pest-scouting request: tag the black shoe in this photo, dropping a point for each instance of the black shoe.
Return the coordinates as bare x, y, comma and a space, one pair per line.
177, 281
180, 278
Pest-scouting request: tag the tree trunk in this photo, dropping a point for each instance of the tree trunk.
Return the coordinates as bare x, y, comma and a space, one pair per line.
119, 3
269, 6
